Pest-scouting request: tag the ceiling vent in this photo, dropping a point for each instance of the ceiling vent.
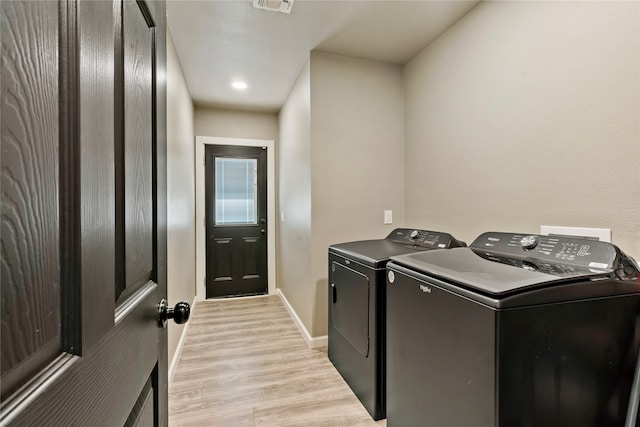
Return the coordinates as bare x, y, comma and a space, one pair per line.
283, 6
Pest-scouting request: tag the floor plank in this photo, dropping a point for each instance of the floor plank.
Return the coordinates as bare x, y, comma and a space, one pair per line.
244, 363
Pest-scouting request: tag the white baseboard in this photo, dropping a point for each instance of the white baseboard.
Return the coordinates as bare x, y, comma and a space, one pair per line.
176, 355
236, 298
312, 342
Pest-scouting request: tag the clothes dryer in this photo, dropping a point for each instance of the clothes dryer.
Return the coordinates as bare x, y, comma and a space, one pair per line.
357, 307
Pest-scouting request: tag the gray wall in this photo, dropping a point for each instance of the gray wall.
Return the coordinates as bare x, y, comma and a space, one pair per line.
235, 124
528, 113
341, 159
294, 193
357, 158
180, 192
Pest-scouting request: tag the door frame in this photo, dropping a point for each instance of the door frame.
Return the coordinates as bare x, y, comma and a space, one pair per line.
201, 253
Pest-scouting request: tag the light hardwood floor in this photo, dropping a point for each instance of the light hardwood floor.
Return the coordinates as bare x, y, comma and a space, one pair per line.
244, 363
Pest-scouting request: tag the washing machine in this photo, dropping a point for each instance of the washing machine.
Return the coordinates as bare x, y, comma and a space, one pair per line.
356, 336
515, 330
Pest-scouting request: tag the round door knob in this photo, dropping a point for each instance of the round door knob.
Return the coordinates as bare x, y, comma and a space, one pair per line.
180, 313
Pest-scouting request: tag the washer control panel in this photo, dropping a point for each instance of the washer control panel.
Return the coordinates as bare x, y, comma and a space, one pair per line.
529, 242
424, 238
591, 254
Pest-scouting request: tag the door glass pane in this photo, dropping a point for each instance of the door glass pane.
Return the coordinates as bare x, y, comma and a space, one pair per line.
236, 195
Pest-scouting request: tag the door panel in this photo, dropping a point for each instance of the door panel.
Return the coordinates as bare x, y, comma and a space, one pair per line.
251, 257
222, 261
88, 161
84, 162
138, 91
236, 217
142, 413
30, 191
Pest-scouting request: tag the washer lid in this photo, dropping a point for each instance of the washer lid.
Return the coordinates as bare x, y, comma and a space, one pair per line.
374, 253
490, 273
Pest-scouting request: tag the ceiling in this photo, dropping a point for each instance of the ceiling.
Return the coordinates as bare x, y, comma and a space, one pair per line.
219, 41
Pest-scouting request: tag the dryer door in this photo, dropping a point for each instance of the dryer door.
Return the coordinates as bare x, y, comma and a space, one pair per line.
349, 305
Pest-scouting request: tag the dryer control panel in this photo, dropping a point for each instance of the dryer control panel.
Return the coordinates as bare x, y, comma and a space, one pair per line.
424, 238
585, 253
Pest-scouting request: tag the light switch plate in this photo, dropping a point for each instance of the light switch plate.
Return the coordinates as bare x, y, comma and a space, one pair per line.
388, 217
602, 234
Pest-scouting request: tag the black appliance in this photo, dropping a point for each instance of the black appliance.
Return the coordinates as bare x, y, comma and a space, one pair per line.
357, 308
516, 330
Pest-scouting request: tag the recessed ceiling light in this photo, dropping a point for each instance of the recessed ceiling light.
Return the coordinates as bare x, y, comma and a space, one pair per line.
239, 85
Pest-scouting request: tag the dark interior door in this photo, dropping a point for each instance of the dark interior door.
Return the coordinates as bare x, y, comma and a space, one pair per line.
83, 213
236, 220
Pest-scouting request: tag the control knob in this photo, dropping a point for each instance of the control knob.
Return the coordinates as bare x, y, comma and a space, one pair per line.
414, 234
529, 242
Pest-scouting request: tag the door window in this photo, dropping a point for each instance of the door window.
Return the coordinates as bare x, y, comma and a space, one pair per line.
236, 195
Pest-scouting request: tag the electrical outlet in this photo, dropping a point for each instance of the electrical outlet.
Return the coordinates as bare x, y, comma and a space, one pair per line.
602, 234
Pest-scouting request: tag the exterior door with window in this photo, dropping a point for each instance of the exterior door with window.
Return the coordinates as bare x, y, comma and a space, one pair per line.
236, 220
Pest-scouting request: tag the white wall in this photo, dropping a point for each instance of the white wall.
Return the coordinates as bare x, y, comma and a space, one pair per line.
294, 171
528, 113
357, 158
235, 124
180, 192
